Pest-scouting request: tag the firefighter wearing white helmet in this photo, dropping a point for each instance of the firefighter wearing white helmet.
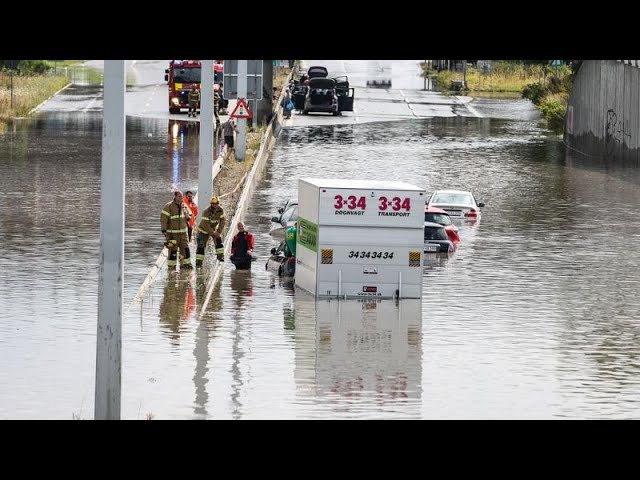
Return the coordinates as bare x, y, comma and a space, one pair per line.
211, 225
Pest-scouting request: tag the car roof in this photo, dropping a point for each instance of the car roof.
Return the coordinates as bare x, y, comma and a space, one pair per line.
433, 225
452, 191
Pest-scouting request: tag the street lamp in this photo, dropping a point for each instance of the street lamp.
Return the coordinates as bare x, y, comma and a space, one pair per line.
11, 76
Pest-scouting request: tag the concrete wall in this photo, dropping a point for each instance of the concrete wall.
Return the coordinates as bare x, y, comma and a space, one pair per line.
603, 116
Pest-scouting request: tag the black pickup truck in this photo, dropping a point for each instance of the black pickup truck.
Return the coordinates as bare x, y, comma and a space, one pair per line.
316, 92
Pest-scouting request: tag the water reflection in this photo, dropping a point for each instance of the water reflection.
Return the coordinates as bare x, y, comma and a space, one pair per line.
359, 358
178, 304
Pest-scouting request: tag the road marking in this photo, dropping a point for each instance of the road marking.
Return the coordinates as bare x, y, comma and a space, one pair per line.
91, 103
406, 100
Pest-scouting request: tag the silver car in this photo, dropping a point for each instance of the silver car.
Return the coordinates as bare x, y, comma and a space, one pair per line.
459, 204
288, 215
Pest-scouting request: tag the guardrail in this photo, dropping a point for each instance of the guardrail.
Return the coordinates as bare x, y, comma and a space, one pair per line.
267, 143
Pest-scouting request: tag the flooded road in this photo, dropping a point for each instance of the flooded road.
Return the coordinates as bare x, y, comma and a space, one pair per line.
535, 316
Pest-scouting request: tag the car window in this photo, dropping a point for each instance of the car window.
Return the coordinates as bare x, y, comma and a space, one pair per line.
433, 233
455, 198
441, 198
290, 214
440, 218
186, 75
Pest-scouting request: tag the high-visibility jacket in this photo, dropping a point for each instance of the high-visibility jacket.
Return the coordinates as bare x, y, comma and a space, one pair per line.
194, 212
173, 218
212, 222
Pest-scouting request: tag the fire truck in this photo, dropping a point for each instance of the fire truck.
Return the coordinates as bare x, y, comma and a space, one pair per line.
182, 76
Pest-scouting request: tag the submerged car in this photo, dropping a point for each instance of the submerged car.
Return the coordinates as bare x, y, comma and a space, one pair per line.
288, 215
278, 263
438, 215
436, 239
459, 204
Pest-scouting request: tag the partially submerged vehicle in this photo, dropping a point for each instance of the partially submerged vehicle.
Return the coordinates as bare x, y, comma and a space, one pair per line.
436, 239
288, 217
278, 263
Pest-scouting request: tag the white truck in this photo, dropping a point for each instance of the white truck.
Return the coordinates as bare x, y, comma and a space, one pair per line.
360, 238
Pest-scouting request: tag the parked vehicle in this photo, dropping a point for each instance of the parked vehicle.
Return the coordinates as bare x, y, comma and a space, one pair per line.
288, 215
278, 263
459, 204
316, 92
438, 215
320, 96
182, 76
436, 239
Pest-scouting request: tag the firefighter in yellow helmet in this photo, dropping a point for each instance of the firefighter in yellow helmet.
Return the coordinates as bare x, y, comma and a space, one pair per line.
211, 225
173, 224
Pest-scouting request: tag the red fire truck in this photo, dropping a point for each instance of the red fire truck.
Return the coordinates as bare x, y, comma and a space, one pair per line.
181, 77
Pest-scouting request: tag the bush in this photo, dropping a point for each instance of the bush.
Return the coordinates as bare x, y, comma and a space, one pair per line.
553, 110
534, 92
31, 67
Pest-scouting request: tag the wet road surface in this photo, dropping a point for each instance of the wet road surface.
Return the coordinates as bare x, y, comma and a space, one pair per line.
533, 317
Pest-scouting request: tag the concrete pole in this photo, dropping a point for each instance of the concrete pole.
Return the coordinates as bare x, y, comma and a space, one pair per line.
110, 287
424, 72
205, 174
464, 74
241, 141
266, 105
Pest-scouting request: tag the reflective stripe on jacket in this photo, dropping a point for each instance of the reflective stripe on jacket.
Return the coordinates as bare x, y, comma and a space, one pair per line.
211, 222
173, 218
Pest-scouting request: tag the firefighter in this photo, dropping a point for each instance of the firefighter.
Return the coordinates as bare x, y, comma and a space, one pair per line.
211, 225
194, 99
242, 248
173, 224
193, 209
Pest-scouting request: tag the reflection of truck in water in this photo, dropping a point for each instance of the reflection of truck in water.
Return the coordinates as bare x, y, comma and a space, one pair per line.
316, 92
182, 76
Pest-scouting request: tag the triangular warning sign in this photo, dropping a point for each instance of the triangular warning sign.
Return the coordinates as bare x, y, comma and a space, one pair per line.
241, 110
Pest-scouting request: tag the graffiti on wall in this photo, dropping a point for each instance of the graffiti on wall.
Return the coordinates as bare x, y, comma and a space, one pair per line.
615, 132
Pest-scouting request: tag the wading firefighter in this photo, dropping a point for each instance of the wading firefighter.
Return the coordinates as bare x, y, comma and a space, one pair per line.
211, 225
173, 224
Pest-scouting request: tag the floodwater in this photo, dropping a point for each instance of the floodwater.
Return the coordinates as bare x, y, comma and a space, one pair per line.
535, 316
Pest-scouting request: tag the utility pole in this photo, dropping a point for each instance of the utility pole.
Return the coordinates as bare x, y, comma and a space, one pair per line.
110, 287
11, 75
205, 173
425, 75
242, 122
464, 74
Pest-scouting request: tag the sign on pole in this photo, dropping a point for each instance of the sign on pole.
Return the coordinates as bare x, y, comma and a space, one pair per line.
241, 110
254, 79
